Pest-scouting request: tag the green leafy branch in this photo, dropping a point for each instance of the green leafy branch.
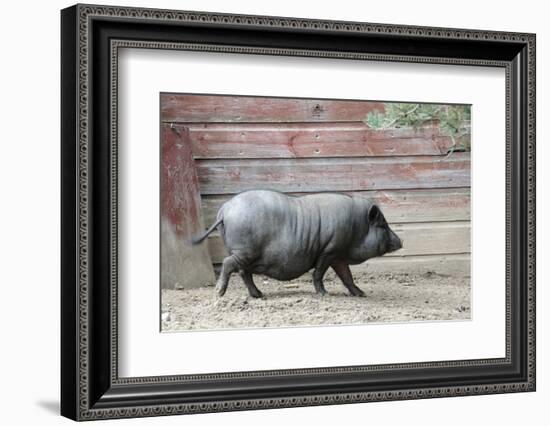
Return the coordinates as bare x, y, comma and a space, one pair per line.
454, 120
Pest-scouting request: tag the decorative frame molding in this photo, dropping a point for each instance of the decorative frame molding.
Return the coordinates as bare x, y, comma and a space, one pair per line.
91, 37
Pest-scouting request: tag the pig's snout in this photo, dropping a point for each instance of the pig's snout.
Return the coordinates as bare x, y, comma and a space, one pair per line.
395, 242
398, 244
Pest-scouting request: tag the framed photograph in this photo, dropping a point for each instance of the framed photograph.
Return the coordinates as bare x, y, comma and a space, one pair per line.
288, 190
263, 212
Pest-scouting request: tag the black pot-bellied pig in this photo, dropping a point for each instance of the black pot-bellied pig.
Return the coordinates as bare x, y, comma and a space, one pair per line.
283, 237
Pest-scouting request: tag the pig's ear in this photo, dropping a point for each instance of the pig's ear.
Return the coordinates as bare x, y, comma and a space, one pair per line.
375, 215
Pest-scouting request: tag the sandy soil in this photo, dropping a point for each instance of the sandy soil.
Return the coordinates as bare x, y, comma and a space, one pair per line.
389, 298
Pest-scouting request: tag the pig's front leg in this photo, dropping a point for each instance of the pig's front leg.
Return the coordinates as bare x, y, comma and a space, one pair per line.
318, 274
344, 273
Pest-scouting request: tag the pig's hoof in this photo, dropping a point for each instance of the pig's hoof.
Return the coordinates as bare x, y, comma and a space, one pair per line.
220, 291
359, 293
256, 294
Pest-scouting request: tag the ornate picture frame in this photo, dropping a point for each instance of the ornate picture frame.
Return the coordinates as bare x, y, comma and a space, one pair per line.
91, 37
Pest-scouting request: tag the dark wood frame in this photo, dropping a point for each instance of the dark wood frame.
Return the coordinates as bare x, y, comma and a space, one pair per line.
90, 386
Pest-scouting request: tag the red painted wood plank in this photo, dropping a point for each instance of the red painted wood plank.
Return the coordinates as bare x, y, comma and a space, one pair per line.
222, 108
334, 174
399, 206
302, 140
179, 195
181, 264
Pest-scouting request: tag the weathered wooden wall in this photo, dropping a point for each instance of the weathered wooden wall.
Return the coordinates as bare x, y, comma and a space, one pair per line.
182, 265
299, 146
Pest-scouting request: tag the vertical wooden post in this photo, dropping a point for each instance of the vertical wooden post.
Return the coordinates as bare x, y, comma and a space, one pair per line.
182, 264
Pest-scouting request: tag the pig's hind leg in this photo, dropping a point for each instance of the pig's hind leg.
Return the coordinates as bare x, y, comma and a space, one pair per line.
249, 282
344, 273
229, 266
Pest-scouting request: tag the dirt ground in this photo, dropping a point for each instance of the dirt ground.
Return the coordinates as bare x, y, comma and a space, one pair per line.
389, 298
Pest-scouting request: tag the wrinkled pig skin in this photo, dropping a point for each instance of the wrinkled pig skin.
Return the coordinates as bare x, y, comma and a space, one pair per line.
281, 236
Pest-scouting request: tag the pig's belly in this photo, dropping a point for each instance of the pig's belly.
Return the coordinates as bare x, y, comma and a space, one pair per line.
284, 265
